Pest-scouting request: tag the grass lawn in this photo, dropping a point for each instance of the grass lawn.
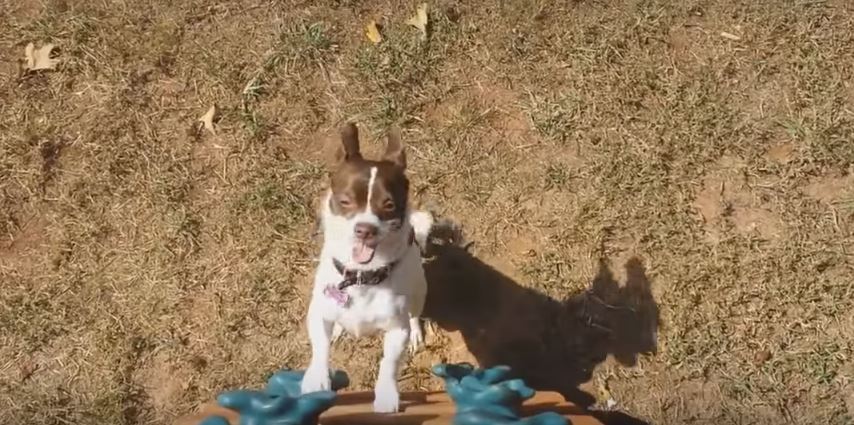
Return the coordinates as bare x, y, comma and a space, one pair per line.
658, 194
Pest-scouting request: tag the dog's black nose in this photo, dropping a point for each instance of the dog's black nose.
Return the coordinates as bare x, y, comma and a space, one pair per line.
366, 230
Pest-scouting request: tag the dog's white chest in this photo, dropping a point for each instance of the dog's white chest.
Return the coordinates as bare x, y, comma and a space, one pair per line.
370, 309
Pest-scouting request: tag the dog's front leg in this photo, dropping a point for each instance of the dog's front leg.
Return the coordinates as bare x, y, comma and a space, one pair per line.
319, 333
386, 396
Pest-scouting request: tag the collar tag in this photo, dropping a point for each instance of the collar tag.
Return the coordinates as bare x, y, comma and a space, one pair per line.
338, 295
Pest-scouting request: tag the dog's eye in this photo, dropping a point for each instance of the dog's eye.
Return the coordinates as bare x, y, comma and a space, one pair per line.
344, 201
388, 205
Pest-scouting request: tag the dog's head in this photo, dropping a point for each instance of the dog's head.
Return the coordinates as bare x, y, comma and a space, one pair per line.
369, 198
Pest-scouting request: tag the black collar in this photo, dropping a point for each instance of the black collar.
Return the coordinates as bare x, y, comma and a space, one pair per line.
362, 277
366, 277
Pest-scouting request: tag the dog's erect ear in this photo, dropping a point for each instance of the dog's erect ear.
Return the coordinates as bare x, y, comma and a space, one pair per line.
394, 148
349, 149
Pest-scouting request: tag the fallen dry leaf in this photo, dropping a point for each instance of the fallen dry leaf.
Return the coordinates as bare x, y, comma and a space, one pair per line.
373, 33
27, 368
730, 36
761, 356
420, 20
39, 58
207, 119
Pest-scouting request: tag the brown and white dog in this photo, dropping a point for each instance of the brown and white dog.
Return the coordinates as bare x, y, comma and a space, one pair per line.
370, 277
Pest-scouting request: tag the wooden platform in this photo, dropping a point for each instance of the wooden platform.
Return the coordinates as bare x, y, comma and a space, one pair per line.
355, 408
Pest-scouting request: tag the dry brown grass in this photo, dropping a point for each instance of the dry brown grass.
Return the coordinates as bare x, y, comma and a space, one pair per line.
147, 265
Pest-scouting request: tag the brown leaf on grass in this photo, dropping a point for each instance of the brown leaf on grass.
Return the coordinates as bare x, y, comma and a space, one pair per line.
27, 368
761, 356
39, 58
420, 20
207, 119
373, 33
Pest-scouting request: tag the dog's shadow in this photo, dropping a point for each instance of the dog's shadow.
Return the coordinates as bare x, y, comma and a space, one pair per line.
552, 344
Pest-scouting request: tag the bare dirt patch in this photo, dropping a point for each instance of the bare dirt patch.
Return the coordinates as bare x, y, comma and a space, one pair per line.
726, 202
781, 153
29, 237
164, 383
832, 189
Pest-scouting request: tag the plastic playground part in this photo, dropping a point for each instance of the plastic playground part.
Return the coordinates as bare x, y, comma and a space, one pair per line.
488, 396
473, 396
281, 402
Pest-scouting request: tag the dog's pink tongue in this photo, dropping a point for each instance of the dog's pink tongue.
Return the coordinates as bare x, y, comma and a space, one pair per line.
362, 253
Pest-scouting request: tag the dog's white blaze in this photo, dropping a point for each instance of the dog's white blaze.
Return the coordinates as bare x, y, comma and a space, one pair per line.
371, 188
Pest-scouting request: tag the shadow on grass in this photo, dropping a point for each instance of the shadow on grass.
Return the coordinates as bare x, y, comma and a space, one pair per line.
553, 344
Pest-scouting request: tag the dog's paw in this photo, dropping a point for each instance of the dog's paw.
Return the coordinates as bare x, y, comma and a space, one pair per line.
337, 333
416, 338
386, 399
315, 380
422, 223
